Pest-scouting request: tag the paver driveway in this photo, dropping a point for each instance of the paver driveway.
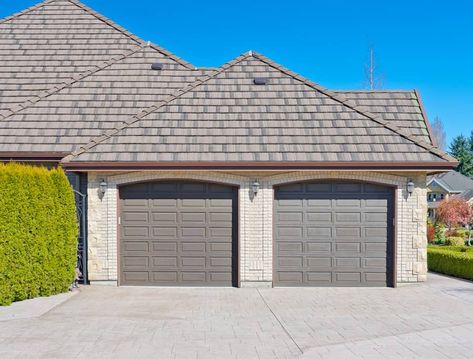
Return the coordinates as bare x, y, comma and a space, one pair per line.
433, 320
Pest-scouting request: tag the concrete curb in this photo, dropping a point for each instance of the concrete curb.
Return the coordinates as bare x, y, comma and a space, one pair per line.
33, 308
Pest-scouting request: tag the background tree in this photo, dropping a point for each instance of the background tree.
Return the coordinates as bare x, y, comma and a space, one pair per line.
454, 212
460, 148
439, 134
373, 79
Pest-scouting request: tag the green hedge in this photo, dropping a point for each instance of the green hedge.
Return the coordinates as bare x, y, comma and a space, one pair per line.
38, 232
454, 261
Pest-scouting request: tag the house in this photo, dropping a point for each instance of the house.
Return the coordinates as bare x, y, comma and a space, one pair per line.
443, 185
243, 175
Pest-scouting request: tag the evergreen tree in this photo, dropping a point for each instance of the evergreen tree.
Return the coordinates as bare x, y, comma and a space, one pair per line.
461, 149
471, 142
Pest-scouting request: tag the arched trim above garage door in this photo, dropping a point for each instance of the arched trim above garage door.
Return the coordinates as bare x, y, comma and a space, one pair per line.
333, 232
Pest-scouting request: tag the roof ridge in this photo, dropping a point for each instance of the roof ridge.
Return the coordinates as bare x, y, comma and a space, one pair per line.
143, 113
25, 11
376, 91
351, 105
129, 34
5, 113
426, 119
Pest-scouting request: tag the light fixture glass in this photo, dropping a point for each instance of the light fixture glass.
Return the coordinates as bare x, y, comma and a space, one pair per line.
410, 186
103, 187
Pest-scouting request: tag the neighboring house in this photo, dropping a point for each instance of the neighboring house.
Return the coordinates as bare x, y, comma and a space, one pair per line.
246, 174
443, 185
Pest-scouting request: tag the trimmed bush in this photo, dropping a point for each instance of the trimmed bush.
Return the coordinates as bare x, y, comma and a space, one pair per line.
454, 261
38, 232
455, 241
453, 249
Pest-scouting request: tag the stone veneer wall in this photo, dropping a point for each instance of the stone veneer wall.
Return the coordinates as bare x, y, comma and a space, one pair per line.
256, 219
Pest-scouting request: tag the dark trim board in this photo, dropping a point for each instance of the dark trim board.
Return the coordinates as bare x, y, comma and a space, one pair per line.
385, 166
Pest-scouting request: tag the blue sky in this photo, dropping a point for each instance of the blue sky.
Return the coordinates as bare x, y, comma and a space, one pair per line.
422, 44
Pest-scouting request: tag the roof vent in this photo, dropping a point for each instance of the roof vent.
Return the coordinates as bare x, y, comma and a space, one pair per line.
157, 66
260, 80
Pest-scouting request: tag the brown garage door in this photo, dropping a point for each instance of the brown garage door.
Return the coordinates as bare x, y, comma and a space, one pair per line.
333, 234
178, 233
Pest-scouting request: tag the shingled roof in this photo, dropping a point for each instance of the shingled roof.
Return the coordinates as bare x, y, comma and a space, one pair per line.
54, 41
77, 82
403, 108
72, 115
225, 117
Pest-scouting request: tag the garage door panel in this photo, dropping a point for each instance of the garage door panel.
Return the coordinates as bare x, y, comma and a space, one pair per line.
193, 276
341, 238
161, 218
221, 217
141, 277
317, 203
290, 261
193, 188
139, 261
317, 247
323, 262
376, 232
136, 217
352, 277
347, 247
376, 217
375, 263
346, 202
163, 203
318, 232
376, 203
221, 262
164, 232
220, 232
185, 234
318, 217
375, 277
374, 188
139, 232
157, 188
347, 187
166, 277
224, 204
290, 217
350, 262
318, 278
162, 261
220, 247
163, 247
135, 246
348, 217
289, 247
351, 232
290, 277
193, 262
318, 187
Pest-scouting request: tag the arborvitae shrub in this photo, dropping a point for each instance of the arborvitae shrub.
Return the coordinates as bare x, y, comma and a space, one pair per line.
38, 232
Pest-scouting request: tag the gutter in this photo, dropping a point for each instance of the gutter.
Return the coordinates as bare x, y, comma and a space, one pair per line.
252, 166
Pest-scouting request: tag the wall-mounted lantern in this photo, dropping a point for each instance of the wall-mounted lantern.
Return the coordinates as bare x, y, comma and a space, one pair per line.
255, 187
410, 186
102, 188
